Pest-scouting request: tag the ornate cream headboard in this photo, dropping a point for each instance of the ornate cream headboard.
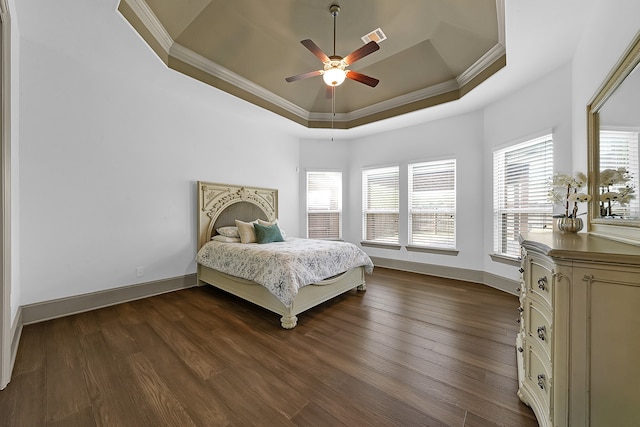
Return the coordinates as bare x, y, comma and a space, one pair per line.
221, 204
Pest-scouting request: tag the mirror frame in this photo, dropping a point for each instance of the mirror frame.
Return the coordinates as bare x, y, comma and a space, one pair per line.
616, 229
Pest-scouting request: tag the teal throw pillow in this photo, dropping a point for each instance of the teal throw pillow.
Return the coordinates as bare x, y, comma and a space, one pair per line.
268, 233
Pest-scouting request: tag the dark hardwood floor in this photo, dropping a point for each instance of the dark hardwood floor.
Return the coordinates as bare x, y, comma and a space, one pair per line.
412, 350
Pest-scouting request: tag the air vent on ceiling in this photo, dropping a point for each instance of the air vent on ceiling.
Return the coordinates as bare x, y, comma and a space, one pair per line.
376, 35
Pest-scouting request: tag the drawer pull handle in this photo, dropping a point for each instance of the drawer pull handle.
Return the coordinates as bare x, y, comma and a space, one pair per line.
541, 332
518, 289
541, 381
520, 309
542, 283
518, 320
520, 349
521, 270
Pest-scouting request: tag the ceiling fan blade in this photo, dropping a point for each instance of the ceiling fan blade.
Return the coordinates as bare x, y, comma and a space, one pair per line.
303, 76
315, 50
359, 77
361, 52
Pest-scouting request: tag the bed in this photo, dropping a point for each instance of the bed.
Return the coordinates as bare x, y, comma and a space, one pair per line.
232, 267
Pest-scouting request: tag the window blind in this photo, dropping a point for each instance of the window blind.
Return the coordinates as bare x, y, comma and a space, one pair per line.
324, 205
520, 181
380, 206
619, 149
432, 204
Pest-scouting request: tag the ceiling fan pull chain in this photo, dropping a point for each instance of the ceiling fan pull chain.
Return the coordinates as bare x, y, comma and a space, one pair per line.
333, 109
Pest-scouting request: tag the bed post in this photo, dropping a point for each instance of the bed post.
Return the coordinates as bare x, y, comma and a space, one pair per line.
289, 321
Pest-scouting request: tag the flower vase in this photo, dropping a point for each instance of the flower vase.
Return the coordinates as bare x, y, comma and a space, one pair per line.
569, 225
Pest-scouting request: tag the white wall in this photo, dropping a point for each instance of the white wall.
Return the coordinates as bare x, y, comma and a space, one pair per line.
111, 146
612, 27
324, 155
541, 107
112, 142
457, 137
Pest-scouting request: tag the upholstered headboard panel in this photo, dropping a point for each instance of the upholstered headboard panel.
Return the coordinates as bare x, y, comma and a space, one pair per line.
221, 204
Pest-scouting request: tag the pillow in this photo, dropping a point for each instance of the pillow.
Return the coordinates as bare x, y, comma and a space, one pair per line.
274, 222
246, 231
267, 233
228, 231
221, 238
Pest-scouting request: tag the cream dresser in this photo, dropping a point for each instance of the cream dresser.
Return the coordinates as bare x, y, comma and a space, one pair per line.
578, 348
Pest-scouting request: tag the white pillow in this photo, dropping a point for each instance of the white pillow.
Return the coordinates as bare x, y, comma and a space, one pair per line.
246, 231
274, 222
221, 238
228, 231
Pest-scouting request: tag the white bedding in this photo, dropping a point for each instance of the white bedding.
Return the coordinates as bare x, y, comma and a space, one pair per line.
284, 267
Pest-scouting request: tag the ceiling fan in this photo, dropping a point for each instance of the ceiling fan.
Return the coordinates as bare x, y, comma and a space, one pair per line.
335, 67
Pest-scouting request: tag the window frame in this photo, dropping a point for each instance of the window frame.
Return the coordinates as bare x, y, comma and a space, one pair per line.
331, 210
607, 134
527, 198
394, 210
446, 166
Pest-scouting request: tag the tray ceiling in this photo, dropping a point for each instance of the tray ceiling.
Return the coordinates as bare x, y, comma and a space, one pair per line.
435, 52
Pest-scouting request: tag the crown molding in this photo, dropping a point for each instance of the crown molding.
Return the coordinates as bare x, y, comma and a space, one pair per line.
151, 22
408, 102
198, 61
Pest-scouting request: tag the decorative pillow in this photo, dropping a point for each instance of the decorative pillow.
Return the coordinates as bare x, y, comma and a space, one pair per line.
246, 231
267, 233
221, 238
228, 231
274, 222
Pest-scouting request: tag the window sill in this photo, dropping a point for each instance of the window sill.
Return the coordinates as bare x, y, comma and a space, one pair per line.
504, 259
380, 245
433, 250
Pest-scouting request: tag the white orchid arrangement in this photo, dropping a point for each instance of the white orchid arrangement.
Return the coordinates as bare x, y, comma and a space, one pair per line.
614, 188
565, 191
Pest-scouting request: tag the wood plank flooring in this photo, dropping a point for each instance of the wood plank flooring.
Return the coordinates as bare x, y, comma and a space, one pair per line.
412, 350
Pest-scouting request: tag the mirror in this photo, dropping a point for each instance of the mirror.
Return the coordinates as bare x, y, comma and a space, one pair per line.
613, 119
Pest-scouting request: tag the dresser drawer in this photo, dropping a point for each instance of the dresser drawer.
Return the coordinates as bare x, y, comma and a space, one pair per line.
538, 324
540, 279
537, 379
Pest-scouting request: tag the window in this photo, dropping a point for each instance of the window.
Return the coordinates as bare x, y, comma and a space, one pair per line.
520, 176
432, 204
324, 205
380, 189
619, 149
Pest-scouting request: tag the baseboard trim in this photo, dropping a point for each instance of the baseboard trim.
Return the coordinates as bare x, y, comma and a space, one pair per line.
46, 310
466, 275
16, 333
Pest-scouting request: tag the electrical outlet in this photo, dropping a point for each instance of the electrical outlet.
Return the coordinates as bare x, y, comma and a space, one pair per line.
140, 271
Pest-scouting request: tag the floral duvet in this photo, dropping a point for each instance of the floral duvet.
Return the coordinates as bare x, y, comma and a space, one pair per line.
284, 267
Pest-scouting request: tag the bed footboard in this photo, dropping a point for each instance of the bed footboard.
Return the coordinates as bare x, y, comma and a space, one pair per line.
309, 296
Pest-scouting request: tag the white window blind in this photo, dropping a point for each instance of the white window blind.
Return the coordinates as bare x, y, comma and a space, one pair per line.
520, 183
324, 205
619, 149
380, 206
432, 204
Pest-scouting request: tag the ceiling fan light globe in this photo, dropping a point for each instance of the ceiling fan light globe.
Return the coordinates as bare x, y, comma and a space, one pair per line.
334, 76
